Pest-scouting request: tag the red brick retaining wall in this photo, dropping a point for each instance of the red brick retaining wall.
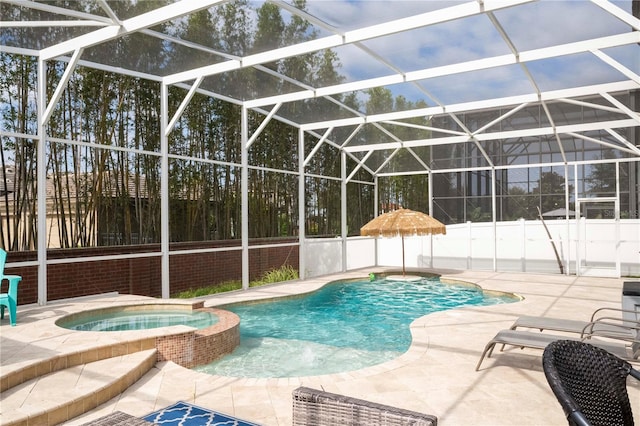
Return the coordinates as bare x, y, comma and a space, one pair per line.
142, 275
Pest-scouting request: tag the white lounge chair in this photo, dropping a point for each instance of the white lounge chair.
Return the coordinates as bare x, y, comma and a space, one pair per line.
625, 327
528, 339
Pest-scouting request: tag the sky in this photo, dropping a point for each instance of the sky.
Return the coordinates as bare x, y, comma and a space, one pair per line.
530, 26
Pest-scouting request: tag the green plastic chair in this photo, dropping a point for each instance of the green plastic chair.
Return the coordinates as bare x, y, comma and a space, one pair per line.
9, 299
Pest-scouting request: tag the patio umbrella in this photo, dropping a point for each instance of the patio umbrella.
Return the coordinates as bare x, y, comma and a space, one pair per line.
403, 222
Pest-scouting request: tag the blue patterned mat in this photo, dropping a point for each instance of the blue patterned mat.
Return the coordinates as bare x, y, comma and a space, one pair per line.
184, 414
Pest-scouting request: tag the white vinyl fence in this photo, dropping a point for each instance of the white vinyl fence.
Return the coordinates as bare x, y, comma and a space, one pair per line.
597, 247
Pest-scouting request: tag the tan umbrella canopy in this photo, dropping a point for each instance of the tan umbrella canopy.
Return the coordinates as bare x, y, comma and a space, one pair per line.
403, 222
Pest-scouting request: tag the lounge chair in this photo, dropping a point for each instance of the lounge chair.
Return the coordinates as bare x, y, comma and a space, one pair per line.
626, 327
313, 407
528, 339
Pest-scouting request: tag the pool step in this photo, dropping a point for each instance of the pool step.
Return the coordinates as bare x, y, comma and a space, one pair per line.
64, 394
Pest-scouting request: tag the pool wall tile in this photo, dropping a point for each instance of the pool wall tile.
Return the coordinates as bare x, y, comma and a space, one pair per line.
177, 348
199, 347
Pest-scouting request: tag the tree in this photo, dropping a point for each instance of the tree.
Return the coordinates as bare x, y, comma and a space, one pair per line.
399, 191
550, 191
601, 182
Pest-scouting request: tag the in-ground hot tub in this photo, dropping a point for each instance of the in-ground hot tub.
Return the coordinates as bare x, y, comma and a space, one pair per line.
138, 317
187, 334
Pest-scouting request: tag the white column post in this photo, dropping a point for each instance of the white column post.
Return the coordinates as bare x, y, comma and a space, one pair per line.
578, 219
430, 183
301, 207
617, 219
343, 207
376, 212
523, 245
567, 257
41, 176
469, 243
164, 192
244, 189
493, 216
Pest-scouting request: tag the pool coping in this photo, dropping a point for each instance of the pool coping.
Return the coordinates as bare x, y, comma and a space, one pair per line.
183, 345
442, 381
189, 347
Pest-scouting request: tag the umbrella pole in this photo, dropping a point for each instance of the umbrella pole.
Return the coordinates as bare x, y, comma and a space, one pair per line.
403, 255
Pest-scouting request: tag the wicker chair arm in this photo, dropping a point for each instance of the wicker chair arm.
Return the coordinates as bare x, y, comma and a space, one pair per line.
312, 407
579, 419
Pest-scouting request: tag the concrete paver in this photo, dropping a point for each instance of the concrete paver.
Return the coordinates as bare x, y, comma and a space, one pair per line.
436, 376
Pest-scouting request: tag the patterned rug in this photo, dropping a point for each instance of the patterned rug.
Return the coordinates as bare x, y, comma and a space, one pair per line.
185, 414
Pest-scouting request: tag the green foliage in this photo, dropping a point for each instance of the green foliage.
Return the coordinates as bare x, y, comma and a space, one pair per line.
212, 289
110, 197
106, 189
285, 273
399, 191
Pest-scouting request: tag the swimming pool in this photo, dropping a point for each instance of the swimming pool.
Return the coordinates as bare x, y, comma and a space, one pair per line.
344, 326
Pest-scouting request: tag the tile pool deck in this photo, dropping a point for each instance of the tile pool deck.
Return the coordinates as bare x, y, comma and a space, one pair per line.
436, 376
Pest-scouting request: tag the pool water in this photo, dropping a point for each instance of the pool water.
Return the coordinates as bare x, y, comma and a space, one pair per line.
141, 320
342, 327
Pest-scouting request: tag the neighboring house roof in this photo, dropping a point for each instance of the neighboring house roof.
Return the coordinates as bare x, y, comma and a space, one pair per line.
70, 186
7, 180
559, 213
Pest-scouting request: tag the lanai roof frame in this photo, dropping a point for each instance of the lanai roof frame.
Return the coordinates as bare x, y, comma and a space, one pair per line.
470, 8
598, 48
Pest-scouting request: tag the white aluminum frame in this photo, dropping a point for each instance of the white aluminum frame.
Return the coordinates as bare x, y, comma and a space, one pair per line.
110, 27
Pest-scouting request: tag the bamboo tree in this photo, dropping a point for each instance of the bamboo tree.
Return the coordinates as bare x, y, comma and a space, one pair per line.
102, 191
234, 26
19, 115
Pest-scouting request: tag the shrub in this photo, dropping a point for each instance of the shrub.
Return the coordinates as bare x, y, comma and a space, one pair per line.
285, 273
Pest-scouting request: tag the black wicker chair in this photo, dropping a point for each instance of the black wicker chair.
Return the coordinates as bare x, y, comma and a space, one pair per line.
589, 382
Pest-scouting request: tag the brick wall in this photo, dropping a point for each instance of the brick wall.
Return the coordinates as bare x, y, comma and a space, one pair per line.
142, 275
